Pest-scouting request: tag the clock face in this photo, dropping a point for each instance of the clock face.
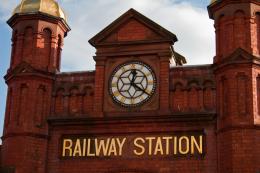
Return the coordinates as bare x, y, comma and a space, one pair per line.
132, 84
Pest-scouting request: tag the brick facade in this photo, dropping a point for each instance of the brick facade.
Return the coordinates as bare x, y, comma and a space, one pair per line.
222, 99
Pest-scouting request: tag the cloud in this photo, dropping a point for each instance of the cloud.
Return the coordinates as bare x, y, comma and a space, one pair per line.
6, 8
191, 24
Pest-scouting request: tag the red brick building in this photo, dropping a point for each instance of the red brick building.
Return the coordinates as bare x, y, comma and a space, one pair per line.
135, 113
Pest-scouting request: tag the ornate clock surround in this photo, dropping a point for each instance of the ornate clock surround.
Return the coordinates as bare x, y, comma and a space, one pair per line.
132, 84
113, 63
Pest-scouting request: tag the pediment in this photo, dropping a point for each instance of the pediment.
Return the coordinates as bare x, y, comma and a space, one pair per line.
22, 68
240, 56
132, 27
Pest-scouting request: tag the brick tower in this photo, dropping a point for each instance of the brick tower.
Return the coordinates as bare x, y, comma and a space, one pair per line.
237, 69
39, 28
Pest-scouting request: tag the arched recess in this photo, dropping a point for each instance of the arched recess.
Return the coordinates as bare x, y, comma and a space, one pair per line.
40, 106
239, 29
220, 35
242, 93
46, 50
23, 104
258, 93
58, 53
88, 99
208, 95
178, 97
9, 106
193, 96
59, 101
223, 100
258, 30
74, 101
28, 44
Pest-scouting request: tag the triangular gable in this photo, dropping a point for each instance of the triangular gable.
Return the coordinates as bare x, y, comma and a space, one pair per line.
240, 55
23, 68
132, 26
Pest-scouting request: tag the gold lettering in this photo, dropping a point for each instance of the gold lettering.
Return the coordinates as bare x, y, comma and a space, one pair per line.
84, 147
151, 145
158, 146
112, 148
120, 145
150, 139
175, 145
77, 148
167, 144
89, 148
181, 144
67, 144
139, 146
198, 146
102, 145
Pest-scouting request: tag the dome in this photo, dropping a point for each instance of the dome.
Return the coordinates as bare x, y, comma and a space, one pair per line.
213, 1
50, 7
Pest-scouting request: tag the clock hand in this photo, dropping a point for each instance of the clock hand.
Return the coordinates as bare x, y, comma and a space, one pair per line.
136, 86
134, 73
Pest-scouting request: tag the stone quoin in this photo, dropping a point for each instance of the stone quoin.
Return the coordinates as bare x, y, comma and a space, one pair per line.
140, 110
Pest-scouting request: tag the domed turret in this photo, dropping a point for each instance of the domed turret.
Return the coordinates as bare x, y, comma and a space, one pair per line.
39, 28
50, 7
213, 1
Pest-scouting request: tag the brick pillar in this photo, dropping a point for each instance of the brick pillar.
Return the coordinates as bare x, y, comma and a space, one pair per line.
236, 73
54, 48
30, 86
99, 86
164, 82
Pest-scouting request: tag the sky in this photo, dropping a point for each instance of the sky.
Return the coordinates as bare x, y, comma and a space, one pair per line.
188, 19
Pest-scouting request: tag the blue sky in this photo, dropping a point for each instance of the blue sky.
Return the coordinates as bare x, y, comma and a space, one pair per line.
188, 19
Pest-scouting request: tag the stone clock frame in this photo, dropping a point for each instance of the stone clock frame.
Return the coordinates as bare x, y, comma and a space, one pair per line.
151, 104
134, 90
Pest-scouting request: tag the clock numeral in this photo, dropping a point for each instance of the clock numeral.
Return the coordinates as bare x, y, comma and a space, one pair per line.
148, 91
141, 98
116, 94
150, 82
122, 99
132, 66
116, 76
114, 84
123, 69
148, 74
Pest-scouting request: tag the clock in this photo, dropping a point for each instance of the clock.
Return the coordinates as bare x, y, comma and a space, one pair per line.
132, 84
